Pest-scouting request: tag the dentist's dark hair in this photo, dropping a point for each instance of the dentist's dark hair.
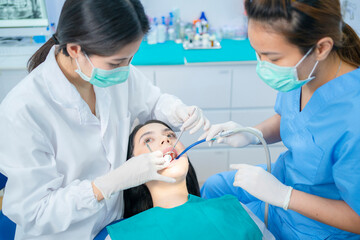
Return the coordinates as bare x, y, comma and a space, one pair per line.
138, 199
100, 27
305, 22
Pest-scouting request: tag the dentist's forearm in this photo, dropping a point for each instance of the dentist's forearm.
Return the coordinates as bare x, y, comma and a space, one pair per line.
270, 129
335, 213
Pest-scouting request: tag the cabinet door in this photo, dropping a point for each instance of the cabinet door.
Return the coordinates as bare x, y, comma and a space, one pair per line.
254, 155
208, 162
251, 117
214, 116
249, 90
8, 80
148, 72
202, 86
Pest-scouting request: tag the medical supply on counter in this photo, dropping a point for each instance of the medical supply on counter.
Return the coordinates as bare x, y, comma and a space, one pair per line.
161, 31
204, 23
195, 35
171, 28
152, 35
234, 131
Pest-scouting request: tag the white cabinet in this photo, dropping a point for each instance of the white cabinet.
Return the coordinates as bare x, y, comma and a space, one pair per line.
254, 155
206, 87
249, 90
208, 162
148, 72
251, 117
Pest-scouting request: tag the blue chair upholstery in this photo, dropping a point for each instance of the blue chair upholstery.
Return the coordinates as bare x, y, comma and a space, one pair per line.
3, 181
7, 227
103, 233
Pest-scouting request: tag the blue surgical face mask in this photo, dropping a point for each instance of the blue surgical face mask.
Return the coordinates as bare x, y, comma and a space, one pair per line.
104, 78
283, 79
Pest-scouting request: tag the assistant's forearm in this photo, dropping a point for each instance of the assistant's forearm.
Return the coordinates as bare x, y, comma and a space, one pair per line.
271, 129
335, 213
97, 193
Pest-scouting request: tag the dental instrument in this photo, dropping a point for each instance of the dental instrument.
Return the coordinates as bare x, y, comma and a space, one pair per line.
148, 147
177, 140
234, 131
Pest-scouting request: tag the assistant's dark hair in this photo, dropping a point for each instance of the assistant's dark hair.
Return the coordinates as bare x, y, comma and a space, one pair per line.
100, 27
138, 199
305, 22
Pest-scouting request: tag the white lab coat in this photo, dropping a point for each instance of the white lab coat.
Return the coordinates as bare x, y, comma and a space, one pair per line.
52, 147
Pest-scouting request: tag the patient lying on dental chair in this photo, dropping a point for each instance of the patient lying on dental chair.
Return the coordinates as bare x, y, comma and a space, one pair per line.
159, 210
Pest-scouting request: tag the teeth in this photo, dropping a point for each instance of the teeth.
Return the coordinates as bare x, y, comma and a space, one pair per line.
168, 158
170, 155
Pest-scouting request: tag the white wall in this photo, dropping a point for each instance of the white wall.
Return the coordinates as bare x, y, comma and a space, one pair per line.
218, 13
351, 13
54, 8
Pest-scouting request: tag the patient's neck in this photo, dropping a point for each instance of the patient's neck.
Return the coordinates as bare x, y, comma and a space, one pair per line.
168, 195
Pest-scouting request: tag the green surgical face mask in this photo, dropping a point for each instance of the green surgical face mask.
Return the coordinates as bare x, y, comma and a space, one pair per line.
104, 78
283, 79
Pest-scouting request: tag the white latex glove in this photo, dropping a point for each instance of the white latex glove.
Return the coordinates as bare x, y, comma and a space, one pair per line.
241, 139
192, 117
262, 185
133, 172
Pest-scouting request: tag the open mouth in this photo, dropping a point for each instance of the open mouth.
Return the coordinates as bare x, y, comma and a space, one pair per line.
170, 154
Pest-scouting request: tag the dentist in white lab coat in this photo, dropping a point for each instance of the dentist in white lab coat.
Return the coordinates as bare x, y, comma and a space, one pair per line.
64, 128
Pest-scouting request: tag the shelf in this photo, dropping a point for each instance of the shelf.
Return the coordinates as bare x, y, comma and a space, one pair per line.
170, 53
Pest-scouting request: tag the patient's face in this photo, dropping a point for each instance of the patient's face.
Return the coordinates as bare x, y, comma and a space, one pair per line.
160, 137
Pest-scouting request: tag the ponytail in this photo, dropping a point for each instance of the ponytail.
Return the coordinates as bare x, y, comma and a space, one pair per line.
41, 54
350, 50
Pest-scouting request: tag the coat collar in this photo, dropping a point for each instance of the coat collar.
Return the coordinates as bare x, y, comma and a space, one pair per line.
65, 93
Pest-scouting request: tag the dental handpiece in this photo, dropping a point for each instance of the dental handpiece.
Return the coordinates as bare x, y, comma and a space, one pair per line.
220, 135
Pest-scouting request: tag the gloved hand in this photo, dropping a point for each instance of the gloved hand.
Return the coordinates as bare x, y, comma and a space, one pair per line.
133, 172
192, 117
241, 139
262, 185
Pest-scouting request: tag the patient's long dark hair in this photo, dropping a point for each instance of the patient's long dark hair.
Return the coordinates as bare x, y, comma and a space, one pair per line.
138, 199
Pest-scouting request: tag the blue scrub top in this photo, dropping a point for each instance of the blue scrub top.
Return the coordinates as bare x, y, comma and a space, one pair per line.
324, 150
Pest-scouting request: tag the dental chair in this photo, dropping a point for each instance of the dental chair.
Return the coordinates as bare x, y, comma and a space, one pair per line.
7, 227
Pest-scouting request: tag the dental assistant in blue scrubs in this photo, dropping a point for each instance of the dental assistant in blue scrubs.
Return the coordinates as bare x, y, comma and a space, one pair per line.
311, 56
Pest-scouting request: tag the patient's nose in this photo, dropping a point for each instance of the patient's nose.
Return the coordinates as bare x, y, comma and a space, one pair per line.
165, 140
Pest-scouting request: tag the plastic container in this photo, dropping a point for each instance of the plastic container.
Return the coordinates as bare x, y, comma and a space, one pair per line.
152, 35
161, 31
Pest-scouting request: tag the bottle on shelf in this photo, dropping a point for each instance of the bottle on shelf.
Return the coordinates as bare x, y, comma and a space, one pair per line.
161, 31
152, 35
